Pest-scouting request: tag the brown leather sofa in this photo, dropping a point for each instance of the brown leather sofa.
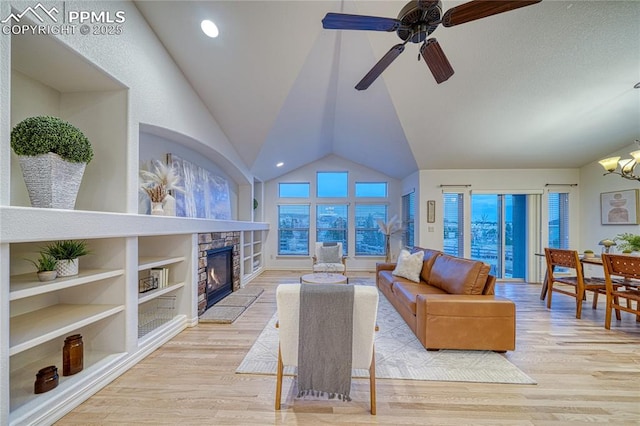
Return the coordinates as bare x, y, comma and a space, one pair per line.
453, 306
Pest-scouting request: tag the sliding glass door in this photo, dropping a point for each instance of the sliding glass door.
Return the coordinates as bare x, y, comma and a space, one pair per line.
499, 233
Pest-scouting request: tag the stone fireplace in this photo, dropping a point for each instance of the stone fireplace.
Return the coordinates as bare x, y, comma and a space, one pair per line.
214, 242
219, 274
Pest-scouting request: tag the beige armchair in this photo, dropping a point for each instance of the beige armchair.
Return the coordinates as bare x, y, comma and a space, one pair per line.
329, 257
365, 307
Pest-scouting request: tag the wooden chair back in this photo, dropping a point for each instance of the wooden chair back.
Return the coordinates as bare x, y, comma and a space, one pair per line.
570, 259
628, 269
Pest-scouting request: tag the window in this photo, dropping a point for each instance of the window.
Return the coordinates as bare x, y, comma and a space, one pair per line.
293, 190
293, 230
559, 220
369, 240
331, 223
332, 184
371, 189
408, 218
453, 224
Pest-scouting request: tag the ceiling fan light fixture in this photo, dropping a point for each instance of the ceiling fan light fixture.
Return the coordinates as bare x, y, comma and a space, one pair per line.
209, 28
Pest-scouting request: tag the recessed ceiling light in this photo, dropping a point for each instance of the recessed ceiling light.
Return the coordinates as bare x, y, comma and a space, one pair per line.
280, 164
209, 28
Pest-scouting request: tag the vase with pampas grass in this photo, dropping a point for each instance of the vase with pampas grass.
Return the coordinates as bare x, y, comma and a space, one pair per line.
166, 177
388, 229
157, 193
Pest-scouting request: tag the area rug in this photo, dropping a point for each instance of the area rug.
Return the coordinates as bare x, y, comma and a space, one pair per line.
399, 355
231, 307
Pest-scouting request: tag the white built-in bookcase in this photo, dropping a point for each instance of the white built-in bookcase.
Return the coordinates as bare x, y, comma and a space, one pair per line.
119, 325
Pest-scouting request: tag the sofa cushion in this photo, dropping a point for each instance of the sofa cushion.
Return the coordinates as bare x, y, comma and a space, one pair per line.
456, 275
385, 279
407, 292
409, 265
429, 259
329, 254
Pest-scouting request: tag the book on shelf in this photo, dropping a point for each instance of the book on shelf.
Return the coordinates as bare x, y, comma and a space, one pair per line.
162, 275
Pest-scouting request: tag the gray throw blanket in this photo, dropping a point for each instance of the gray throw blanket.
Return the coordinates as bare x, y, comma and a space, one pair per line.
324, 345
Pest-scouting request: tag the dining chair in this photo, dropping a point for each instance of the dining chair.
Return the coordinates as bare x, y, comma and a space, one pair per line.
323, 327
626, 268
561, 258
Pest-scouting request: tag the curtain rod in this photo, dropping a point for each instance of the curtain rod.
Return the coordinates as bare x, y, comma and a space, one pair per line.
560, 184
458, 186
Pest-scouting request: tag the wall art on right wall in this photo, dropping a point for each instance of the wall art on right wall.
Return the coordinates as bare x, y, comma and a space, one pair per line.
619, 207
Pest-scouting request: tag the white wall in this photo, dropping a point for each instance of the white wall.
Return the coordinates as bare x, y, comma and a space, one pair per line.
357, 173
159, 94
592, 184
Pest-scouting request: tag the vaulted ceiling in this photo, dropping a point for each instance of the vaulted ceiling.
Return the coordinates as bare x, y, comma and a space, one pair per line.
545, 86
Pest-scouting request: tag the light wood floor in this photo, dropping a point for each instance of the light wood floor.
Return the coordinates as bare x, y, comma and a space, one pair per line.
585, 374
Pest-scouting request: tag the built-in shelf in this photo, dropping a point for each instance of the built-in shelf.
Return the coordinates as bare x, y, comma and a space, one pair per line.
149, 330
150, 295
27, 285
251, 254
37, 327
23, 399
157, 262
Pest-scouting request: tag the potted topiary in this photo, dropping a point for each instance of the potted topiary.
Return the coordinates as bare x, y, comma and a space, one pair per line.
589, 253
46, 267
53, 155
67, 253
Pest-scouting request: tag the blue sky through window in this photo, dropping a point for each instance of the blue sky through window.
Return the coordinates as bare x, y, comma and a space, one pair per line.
332, 184
371, 189
294, 190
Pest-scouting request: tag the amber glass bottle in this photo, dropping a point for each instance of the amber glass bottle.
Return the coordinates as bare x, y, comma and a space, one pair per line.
72, 355
46, 379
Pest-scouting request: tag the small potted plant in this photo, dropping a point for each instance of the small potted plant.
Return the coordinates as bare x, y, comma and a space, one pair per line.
46, 267
589, 253
49, 147
628, 241
67, 253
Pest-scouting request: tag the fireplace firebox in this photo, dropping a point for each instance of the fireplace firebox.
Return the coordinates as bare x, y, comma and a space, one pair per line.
219, 274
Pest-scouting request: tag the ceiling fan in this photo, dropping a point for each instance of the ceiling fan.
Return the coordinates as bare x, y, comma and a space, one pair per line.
415, 22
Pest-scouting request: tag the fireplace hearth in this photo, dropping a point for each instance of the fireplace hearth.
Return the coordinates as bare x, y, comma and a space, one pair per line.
219, 274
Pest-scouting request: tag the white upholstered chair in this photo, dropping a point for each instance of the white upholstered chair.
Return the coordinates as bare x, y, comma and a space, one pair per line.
365, 308
329, 257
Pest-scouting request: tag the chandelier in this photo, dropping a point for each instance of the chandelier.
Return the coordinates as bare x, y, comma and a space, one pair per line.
625, 166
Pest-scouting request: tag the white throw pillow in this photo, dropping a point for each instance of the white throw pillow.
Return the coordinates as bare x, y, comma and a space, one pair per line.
409, 265
329, 254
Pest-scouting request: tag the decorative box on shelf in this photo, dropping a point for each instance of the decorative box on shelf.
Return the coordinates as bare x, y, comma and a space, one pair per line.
147, 284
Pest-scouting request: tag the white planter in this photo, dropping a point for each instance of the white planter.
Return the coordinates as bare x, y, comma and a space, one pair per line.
47, 275
156, 208
67, 268
52, 182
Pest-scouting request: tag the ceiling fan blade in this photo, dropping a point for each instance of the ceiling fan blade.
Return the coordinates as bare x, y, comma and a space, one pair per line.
342, 21
478, 9
436, 60
382, 65
378, 68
